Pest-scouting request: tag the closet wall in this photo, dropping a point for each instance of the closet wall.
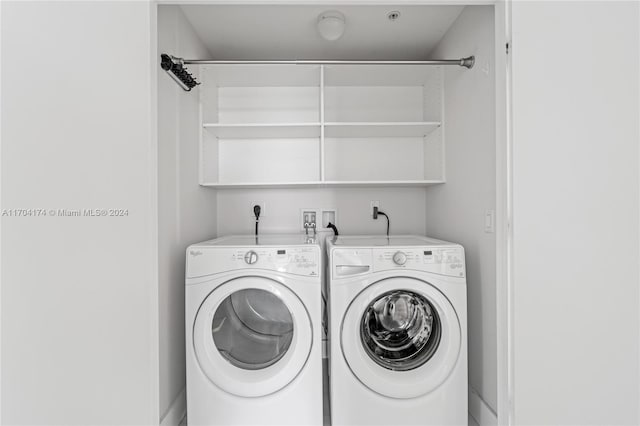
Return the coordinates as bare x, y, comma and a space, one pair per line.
456, 210
575, 206
405, 206
186, 211
79, 293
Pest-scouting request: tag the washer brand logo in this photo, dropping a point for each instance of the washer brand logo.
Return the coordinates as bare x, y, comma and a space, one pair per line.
195, 253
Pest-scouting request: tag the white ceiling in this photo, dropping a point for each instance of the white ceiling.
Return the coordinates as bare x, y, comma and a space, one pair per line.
289, 32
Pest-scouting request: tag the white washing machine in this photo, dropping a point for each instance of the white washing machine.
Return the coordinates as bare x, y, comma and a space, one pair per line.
398, 331
253, 331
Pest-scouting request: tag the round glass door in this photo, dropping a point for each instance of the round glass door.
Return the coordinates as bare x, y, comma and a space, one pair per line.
400, 330
252, 329
401, 337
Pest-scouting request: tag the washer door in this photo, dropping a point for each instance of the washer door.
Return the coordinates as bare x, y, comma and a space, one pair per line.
401, 337
252, 336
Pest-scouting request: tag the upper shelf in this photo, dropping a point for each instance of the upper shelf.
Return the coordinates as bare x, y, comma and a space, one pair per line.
332, 130
322, 184
321, 126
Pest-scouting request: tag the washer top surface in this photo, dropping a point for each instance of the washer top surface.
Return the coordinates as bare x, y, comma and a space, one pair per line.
384, 241
279, 240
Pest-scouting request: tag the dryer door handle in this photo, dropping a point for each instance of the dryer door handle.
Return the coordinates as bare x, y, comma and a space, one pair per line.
346, 270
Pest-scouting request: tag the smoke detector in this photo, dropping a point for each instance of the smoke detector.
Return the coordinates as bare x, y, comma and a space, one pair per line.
331, 25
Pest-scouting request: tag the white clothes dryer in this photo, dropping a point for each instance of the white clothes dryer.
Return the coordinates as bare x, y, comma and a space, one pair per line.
253, 331
398, 331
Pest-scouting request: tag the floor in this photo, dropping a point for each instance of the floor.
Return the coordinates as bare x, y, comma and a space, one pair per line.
326, 413
327, 422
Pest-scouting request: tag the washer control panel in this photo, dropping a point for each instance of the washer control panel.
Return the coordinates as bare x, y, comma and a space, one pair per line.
441, 260
292, 260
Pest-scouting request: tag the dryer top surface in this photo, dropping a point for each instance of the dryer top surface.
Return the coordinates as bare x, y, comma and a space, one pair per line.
280, 240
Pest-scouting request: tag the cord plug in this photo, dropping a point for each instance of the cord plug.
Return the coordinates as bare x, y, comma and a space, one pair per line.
335, 228
256, 211
377, 212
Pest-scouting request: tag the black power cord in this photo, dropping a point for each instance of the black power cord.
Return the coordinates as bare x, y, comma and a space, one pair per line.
335, 229
256, 211
377, 212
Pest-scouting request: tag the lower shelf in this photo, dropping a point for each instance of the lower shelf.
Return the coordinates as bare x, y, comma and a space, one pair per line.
324, 184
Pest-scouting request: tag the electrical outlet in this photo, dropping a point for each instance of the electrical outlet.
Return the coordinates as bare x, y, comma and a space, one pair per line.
373, 204
263, 209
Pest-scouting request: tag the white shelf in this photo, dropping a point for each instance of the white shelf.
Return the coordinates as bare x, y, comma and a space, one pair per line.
321, 126
364, 183
312, 130
380, 130
240, 185
263, 130
360, 183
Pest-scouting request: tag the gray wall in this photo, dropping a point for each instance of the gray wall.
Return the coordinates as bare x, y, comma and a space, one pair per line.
186, 211
455, 211
405, 206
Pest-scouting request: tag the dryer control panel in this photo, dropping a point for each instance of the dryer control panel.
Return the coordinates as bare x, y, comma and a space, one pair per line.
298, 260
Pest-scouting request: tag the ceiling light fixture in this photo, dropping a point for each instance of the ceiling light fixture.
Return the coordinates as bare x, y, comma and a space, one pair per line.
331, 25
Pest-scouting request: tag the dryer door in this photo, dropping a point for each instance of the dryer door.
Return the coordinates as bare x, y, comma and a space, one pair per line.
252, 336
401, 337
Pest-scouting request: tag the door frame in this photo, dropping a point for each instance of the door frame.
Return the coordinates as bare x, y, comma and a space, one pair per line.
504, 178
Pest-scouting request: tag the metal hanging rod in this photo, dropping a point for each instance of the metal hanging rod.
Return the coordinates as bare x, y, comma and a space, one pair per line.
174, 66
463, 62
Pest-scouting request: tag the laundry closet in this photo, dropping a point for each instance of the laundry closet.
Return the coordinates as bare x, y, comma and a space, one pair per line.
332, 128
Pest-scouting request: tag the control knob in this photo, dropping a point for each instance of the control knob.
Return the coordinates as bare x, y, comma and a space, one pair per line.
251, 257
399, 258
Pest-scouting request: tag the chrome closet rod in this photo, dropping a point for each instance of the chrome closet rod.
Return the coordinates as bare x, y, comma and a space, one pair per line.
463, 62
